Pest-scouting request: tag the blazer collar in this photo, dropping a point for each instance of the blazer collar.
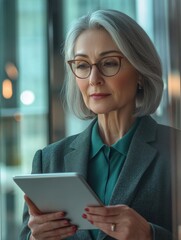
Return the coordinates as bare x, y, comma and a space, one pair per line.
77, 157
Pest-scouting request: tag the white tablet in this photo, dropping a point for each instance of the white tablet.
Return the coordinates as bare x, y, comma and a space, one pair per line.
54, 192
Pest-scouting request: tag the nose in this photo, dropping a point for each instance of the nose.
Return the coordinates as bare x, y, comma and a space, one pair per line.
95, 77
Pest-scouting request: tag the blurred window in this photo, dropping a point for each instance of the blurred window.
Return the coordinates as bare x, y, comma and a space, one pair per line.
23, 101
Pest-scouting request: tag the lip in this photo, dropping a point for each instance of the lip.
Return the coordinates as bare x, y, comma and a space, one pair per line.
99, 95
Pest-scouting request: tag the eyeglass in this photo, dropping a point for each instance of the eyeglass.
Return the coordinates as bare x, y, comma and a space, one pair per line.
107, 66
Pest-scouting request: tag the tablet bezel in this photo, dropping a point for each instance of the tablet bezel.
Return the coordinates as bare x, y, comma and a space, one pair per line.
45, 190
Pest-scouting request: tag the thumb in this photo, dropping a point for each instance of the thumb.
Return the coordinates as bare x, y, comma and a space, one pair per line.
33, 210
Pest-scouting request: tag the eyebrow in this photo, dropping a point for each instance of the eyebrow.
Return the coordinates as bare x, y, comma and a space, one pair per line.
110, 51
102, 54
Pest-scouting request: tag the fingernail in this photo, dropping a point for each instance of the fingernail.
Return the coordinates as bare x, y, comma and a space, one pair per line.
84, 215
86, 209
62, 214
66, 222
74, 228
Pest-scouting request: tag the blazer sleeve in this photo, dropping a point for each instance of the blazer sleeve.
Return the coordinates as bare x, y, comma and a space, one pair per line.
36, 168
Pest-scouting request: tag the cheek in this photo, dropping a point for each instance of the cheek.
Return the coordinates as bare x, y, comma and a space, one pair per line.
126, 82
82, 85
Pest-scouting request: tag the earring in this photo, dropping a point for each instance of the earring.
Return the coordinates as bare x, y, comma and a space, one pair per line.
140, 87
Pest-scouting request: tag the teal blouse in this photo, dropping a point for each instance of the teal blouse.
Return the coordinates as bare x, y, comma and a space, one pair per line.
105, 164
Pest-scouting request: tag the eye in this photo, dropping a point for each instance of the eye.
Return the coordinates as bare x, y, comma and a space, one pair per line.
109, 63
81, 65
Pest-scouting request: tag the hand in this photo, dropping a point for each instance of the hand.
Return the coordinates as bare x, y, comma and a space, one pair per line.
119, 222
49, 226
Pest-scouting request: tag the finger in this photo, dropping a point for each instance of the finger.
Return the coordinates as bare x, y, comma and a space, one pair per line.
107, 228
98, 218
106, 210
52, 225
48, 217
68, 234
54, 233
33, 210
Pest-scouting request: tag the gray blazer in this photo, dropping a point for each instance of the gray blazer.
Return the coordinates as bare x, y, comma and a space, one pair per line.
144, 182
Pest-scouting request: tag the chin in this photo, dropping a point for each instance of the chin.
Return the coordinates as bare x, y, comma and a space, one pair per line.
101, 111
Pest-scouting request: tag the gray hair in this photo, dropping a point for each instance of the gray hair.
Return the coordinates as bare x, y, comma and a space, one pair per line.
135, 45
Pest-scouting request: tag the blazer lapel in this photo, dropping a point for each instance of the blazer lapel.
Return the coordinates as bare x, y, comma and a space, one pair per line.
140, 156
138, 160
76, 160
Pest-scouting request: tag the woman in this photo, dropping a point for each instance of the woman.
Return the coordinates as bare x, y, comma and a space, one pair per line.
114, 77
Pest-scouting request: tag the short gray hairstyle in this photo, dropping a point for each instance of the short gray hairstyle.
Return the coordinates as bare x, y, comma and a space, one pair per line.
135, 45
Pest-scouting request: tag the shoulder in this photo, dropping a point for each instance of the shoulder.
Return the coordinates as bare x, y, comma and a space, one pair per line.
50, 158
70, 142
149, 123
165, 130
150, 131
62, 144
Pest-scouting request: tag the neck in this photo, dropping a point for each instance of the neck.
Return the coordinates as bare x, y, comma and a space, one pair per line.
113, 126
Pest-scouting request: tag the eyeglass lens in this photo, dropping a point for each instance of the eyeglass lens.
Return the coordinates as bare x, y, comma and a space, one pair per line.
108, 66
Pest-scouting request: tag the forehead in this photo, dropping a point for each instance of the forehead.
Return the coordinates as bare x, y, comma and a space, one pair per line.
94, 41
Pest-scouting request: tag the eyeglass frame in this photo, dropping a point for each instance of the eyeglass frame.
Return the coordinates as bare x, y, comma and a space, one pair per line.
97, 65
